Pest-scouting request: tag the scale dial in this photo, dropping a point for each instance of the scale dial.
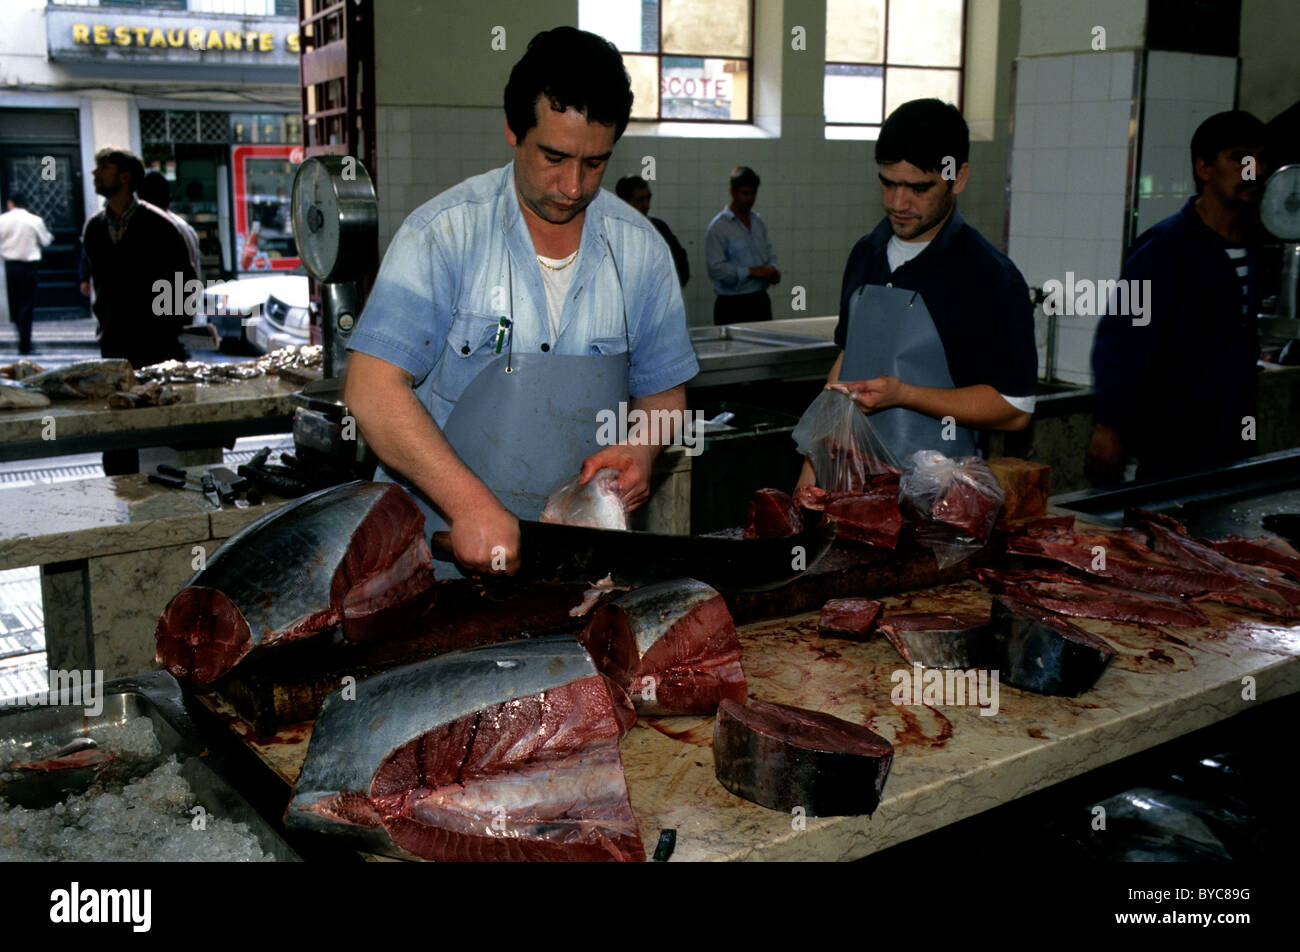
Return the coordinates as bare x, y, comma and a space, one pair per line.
1279, 209
335, 217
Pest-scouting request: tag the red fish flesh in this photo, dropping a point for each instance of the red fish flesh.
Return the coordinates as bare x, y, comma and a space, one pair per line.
1265, 551
871, 516
785, 758
671, 646
848, 618
1066, 595
503, 753
352, 557
772, 514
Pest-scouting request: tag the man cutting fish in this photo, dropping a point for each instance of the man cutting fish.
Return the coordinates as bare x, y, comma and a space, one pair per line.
935, 323
512, 308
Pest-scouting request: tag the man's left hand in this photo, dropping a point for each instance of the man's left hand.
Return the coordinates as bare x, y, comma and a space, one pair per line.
633, 463
878, 393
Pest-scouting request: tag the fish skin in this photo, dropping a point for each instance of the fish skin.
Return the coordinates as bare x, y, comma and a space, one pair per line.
1042, 652
87, 380
434, 748
598, 504
20, 396
649, 633
940, 639
289, 575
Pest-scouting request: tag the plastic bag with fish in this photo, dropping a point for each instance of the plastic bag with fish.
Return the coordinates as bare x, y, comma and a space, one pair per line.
597, 505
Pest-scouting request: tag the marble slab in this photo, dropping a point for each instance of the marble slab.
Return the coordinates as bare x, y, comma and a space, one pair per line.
127, 594
949, 762
84, 518
200, 403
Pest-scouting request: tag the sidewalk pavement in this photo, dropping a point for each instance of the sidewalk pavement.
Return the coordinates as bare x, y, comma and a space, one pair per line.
51, 335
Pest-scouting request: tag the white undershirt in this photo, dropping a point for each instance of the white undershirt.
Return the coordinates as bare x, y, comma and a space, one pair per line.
898, 253
557, 285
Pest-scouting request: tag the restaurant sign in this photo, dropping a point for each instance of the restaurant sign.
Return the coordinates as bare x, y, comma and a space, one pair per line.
164, 37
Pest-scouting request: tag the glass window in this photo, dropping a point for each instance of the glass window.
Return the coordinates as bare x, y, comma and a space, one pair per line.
882, 53
689, 60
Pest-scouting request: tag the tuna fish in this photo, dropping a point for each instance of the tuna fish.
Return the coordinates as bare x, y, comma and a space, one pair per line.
1042, 652
785, 757
941, 640
87, 380
508, 752
772, 514
1066, 595
848, 618
671, 646
597, 505
20, 396
352, 557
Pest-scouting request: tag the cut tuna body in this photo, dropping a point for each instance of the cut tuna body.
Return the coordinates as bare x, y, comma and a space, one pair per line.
848, 618
351, 557
786, 757
938, 640
772, 515
1042, 652
671, 646
508, 752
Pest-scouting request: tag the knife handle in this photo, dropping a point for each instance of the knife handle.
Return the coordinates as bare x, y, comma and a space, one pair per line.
442, 541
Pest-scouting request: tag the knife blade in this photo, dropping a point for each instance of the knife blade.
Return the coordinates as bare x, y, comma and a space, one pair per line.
210, 490
549, 552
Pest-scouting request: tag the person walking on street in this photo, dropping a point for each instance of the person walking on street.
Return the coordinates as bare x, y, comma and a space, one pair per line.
22, 235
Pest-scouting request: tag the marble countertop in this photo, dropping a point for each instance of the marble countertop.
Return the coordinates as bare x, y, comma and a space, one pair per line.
80, 519
200, 403
949, 762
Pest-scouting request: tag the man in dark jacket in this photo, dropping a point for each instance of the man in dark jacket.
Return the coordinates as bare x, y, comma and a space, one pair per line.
133, 246
140, 265
1175, 387
634, 190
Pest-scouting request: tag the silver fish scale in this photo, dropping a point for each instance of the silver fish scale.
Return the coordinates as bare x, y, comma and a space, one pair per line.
352, 739
278, 569
651, 610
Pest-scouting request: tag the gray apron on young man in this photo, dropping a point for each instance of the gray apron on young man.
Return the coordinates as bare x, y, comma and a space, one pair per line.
524, 425
891, 333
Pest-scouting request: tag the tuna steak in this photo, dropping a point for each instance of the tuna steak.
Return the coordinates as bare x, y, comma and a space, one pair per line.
1066, 595
785, 757
1042, 652
871, 515
848, 618
941, 640
772, 514
503, 753
671, 646
352, 556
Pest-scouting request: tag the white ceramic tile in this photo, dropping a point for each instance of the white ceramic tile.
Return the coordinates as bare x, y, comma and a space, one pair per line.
1052, 126
1109, 258
1026, 81
1055, 76
1080, 256
1162, 123
1121, 75
1163, 81
1110, 217
1050, 170
1044, 260
1086, 174
1082, 216
1117, 118
1073, 349
1020, 205
1088, 125
1091, 78
1023, 136
1045, 217
1115, 169
1213, 78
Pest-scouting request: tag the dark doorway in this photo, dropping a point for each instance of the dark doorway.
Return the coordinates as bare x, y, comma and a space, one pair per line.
37, 159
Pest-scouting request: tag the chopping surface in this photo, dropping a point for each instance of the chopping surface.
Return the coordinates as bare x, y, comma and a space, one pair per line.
950, 762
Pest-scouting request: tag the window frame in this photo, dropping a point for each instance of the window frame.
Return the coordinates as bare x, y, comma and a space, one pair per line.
885, 66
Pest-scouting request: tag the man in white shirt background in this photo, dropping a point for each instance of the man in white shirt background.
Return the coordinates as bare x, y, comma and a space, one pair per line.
22, 235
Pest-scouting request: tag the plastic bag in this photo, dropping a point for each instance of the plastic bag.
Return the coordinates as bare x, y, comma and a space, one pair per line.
955, 503
844, 447
597, 505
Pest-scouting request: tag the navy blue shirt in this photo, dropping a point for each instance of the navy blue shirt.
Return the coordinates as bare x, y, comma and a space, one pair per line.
1176, 389
977, 297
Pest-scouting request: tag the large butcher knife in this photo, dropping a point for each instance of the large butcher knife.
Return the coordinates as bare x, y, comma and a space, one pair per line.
552, 552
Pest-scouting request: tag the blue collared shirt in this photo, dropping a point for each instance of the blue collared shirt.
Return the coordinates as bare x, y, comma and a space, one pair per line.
446, 282
731, 250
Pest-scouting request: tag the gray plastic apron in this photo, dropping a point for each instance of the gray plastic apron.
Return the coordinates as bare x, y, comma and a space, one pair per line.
892, 333
525, 423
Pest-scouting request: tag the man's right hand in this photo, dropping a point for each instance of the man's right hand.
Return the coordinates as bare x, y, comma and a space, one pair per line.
487, 541
766, 272
1103, 461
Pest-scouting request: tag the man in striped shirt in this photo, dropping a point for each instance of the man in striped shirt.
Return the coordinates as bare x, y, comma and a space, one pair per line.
1176, 389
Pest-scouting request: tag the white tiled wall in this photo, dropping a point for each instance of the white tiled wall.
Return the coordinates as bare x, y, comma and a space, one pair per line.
1070, 144
1182, 90
818, 197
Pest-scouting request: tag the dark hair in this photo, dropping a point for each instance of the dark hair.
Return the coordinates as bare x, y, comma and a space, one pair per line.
125, 161
156, 190
742, 176
628, 186
1224, 130
572, 69
924, 132
19, 199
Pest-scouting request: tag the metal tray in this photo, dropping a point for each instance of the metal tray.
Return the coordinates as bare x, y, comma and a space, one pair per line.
157, 696
740, 354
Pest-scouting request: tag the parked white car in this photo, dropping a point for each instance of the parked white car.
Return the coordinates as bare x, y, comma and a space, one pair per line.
268, 311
